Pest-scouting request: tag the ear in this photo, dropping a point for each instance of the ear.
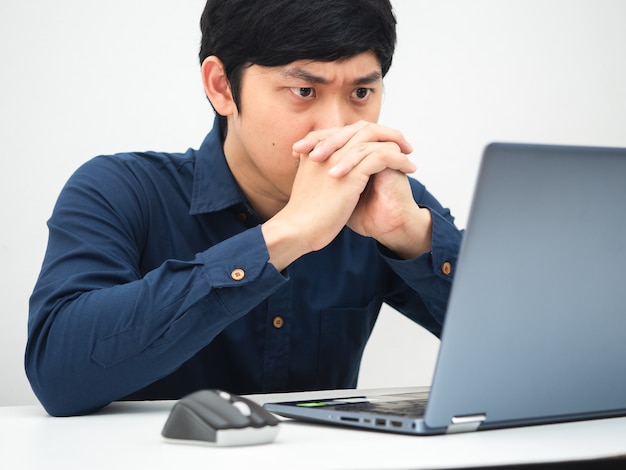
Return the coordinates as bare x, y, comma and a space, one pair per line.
216, 86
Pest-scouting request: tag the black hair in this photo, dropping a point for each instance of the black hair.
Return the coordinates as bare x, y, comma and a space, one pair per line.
278, 32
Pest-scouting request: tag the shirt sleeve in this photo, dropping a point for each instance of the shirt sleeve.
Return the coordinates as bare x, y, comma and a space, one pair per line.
423, 284
95, 319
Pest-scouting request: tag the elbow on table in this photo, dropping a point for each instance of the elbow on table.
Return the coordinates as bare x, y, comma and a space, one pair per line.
59, 395
58, 404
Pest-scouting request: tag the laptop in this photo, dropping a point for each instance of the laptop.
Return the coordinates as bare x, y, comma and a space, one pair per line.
535, 330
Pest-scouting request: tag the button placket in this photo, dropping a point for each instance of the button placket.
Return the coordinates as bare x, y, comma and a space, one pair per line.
276, 358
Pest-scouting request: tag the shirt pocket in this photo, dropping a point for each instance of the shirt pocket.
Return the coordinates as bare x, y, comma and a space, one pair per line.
343, 335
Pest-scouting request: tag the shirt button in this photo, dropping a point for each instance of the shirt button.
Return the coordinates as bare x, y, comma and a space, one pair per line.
278, 322
242, 216
238, 274
446, 268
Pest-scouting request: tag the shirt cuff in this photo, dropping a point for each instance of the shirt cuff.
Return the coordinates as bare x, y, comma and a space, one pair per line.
239, 268
239, 260
440, 261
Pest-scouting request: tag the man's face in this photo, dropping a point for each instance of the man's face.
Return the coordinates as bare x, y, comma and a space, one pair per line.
280, 105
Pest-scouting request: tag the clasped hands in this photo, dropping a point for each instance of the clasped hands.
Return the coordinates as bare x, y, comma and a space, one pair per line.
355, 176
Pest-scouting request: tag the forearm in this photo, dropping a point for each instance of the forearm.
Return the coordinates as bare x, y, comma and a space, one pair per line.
429, 275
92, 345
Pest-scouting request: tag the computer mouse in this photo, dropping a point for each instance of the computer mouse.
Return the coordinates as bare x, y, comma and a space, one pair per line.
219, 418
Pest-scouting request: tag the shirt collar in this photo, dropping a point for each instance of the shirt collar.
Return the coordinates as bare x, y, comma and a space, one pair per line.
214, 187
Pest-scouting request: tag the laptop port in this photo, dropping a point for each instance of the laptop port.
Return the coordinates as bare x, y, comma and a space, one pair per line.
348, 418
396, 424
381, 422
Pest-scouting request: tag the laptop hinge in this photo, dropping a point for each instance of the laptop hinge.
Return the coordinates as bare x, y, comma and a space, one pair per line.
466, 423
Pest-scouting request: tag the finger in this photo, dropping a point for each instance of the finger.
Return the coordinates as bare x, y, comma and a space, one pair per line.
304, 146
367, 134
372, 132
351, 157
373, 158
323, 143
308, 143
330, 143
356, 133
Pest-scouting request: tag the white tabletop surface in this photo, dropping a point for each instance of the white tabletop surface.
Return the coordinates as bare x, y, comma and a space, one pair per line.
128, 435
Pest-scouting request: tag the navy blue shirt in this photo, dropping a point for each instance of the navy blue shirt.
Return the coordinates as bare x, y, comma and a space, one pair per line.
156, 283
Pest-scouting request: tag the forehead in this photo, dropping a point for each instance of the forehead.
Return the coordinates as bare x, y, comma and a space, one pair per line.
362, 68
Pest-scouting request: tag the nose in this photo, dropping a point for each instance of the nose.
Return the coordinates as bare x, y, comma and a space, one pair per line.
333, 112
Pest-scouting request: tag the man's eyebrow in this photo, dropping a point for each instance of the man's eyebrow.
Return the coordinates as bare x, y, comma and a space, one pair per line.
370, 78
308, 77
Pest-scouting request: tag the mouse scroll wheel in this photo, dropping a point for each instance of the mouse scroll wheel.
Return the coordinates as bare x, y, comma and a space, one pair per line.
243, 408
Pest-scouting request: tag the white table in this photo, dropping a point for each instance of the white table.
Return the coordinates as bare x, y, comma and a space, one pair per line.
127, 435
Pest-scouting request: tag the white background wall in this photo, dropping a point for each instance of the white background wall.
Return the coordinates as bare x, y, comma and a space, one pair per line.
80, 78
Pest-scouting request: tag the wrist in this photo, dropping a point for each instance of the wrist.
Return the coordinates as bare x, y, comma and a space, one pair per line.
412, 238
284, 244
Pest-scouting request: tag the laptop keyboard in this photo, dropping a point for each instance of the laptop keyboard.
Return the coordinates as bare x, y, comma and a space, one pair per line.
414, 407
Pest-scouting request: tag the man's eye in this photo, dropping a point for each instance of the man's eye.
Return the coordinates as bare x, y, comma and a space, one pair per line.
361, 93
303, 92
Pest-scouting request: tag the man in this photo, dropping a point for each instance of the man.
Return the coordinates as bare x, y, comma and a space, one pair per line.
259, 262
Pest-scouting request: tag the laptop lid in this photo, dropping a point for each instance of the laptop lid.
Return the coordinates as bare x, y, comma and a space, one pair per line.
536, 323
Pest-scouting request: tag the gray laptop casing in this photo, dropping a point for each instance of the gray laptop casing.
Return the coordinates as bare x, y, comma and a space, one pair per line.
536, 325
